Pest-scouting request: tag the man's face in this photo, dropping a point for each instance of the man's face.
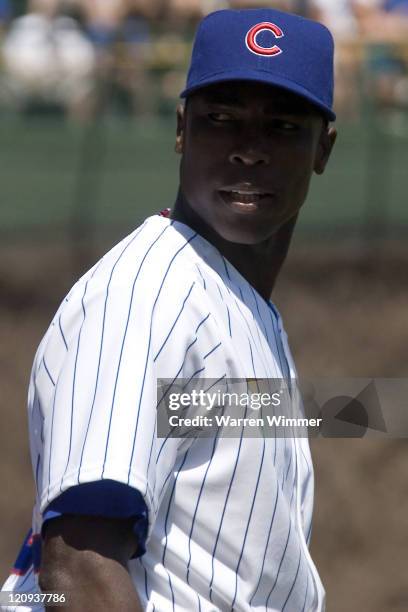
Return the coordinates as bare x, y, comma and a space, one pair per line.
248, 153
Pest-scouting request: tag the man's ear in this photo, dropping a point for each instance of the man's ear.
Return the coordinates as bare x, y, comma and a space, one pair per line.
180, 129
327, 139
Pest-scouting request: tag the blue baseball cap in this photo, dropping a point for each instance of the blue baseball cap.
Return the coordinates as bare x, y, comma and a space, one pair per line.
267, 46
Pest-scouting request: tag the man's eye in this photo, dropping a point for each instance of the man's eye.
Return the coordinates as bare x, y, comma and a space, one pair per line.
285, 126
221, 117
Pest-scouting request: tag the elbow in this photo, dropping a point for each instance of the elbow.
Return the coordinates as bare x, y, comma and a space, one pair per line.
54, 575
57, 568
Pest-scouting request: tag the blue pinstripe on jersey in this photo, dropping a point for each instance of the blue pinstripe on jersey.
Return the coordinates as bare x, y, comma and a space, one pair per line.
166, 523
121, 350
202, 322
174, 324
224, 508
260, 318
306, 461
228, 312
214, 384
51, 440
37, 468
37, 404
294, 582
261, 345
309, 534
212, 350
202, 277
255, 492
266, 545
167, 437
307, 588
73, 385
170, 386
101, 345
254, 344
249, 521
48, 372
281, 355
279, 568
199, 498
293, 484
226, 266
26, 577
229, 322
145, 577
55, 395
172, 430
150, 339
184, 359
193, 375
166, 480
224, 261
289, 466
62, 333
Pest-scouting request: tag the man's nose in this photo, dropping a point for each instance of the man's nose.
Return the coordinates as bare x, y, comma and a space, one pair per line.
249, 157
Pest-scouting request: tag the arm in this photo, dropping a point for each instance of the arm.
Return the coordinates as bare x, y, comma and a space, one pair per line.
86, 558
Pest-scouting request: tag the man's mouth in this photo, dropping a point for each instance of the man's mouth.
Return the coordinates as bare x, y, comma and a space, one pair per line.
243, 200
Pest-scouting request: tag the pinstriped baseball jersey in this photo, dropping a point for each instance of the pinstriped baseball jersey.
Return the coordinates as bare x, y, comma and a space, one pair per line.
229, 518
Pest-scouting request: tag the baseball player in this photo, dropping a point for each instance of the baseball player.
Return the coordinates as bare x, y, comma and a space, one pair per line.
125, 519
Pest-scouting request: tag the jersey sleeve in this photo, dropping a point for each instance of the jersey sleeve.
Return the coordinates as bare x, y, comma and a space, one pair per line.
106, 498
93, 392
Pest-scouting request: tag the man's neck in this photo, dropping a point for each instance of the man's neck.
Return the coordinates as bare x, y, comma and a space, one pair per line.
259, 264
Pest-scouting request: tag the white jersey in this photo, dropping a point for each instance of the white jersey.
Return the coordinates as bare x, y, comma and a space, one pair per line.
229, 518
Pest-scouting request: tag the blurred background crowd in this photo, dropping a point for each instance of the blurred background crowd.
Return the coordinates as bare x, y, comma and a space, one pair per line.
70, 69
77, 56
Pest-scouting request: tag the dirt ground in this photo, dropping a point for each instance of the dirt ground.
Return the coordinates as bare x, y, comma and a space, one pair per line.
346, 315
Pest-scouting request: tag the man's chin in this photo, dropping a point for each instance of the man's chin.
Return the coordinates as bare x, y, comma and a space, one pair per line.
246, 235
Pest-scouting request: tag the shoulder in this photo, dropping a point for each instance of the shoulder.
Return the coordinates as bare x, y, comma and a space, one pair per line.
144, 261
151, 275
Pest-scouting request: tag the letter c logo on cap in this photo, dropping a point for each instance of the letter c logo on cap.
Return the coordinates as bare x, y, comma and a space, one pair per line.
254, 47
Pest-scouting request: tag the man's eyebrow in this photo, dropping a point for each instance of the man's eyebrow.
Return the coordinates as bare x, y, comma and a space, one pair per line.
219, 97
288, 105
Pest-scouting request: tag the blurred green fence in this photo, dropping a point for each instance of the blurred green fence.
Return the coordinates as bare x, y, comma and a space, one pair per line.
61, 178
73, 179
58, 178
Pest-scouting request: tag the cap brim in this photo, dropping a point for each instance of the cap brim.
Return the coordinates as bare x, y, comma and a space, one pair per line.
269, 79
